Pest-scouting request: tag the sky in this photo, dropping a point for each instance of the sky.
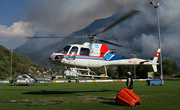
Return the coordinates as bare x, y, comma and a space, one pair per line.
21, 18
13, 24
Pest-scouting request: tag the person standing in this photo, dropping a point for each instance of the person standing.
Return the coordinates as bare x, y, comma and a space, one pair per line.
129, 82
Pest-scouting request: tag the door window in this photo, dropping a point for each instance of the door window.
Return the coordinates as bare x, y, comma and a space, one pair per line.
84, 51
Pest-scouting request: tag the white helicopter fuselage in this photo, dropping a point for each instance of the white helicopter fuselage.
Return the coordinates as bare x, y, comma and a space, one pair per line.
93, 55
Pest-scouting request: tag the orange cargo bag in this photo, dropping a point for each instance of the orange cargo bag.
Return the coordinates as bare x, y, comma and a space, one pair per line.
127, 98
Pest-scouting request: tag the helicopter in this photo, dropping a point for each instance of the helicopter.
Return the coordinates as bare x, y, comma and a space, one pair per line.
23, 79
95, 55
26, 79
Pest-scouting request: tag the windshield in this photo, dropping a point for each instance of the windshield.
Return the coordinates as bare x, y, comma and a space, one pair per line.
74, 50
64, 50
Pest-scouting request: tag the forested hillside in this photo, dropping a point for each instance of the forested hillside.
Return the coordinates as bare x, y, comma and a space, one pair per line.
20, 64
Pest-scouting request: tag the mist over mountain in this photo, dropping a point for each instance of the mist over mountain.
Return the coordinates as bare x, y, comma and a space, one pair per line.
32, 45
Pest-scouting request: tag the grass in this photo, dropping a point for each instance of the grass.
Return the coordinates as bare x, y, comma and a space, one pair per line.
87, 96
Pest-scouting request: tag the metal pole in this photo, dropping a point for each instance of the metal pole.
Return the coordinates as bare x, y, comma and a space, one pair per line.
134, 56
134, 67
161, 77
156, 5
11, 64
134, 71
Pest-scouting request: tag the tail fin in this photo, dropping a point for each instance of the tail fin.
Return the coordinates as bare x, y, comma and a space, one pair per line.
156, 56
154, 61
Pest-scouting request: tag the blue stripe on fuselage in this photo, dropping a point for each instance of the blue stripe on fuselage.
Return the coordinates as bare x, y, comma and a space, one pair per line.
117, 57
89, 57
111, 58
108, 56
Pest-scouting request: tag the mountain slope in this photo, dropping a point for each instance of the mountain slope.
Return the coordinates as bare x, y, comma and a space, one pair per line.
32, 45
20, 64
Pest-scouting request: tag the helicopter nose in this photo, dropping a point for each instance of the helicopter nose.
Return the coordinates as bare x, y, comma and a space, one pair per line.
52, 57
59, 58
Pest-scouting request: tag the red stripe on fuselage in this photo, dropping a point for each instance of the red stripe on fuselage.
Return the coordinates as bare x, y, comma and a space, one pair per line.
52, 55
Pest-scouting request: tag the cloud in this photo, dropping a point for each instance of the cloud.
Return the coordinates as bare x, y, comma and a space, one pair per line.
14, 36
20, 29
67, 16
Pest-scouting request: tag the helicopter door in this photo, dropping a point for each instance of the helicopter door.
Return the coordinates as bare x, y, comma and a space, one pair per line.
73, 52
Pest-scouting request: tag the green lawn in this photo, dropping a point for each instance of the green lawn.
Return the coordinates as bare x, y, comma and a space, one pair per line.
87, 96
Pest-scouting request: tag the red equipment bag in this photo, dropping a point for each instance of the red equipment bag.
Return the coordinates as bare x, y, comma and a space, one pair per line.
128, 98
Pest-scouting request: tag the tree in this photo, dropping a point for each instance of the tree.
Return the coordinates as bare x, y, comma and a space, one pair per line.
112, 72
170, 66
141, 70
123, 69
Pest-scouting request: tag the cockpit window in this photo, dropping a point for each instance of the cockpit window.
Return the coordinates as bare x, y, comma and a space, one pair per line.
64, 50
84, 51
25, 77
74, 50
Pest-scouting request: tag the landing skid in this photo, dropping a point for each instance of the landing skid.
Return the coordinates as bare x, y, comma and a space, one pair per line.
90, 72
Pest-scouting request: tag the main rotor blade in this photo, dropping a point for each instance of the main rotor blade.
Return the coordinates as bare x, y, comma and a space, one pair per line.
109, 42
131, 13
38, 37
